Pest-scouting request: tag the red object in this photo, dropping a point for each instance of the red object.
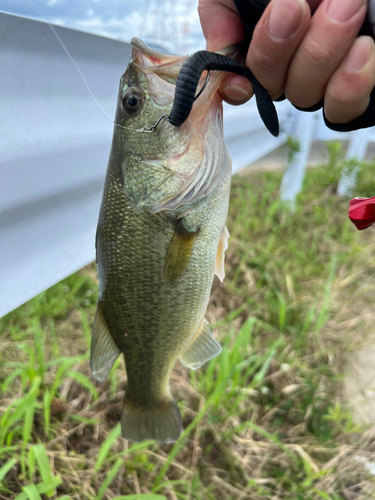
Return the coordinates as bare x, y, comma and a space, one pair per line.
362, 212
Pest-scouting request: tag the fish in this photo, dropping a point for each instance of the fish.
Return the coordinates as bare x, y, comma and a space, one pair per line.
161, 238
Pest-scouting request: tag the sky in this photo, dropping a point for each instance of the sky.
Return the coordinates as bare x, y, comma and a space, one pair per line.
173, 25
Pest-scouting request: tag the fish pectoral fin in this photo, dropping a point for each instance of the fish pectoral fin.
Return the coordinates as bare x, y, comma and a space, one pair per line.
203, 347
179, 252
220, 257
103, 352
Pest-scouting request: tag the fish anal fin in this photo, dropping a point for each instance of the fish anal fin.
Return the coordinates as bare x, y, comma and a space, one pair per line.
203, 347
103, 352
179, 252
163, 422
220, 257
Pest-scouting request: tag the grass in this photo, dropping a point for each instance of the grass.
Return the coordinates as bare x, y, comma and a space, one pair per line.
264, 420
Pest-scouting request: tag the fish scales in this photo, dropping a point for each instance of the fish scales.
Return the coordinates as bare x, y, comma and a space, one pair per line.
156, 269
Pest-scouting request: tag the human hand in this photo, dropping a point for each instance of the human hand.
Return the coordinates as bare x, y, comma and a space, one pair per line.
306, 58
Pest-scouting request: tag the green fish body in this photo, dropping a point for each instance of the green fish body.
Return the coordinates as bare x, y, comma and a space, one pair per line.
161, 237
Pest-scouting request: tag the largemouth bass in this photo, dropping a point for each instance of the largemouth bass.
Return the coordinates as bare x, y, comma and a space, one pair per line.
161, 237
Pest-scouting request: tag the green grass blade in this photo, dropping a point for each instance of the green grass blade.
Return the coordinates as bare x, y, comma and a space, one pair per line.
134, 448
31, 492
83, 380
6, 468
22, 496
28, 423
45, 469
49, 486
39, 338
264, 369
47, 400
43, 463
10, 378
88, 421
31, 464
110, 477
282, 311
86, 327
106, 446
26, 433
168, 483
322, 494
25, 402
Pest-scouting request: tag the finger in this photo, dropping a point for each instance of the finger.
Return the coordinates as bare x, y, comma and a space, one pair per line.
348, 92
222, 27
332, 31
235, 89
221, 24
275, 41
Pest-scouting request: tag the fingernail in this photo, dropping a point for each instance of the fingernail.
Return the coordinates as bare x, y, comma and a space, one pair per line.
360, 53
235, 93
342, 11
285, 18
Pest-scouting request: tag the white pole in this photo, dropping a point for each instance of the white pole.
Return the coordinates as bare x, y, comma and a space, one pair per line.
302, 131
356, 151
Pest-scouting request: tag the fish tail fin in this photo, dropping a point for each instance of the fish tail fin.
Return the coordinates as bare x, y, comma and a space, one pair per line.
163, 423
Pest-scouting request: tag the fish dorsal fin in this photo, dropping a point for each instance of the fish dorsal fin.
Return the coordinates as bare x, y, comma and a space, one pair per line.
179, 252
220, 257
203, 347
104, 351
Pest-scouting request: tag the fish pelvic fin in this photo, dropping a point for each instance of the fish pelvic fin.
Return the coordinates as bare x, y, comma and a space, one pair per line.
103, 352
220, 257
179, 252
163, 422
203, 347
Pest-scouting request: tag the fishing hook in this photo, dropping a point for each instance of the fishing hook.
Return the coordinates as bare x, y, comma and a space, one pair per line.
151, 129
204, 85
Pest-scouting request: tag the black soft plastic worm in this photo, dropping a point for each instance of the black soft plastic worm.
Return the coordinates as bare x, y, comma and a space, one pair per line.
187, 82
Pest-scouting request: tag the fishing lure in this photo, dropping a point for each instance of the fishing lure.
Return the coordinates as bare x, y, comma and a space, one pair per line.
188, 79
203, 60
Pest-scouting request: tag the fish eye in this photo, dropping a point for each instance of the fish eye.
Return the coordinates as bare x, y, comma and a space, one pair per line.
132, 101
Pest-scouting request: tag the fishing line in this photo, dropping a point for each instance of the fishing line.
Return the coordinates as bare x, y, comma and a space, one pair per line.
142, 130
71, 58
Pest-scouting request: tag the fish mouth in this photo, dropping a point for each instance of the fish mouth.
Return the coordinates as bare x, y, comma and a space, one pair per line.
166, 66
